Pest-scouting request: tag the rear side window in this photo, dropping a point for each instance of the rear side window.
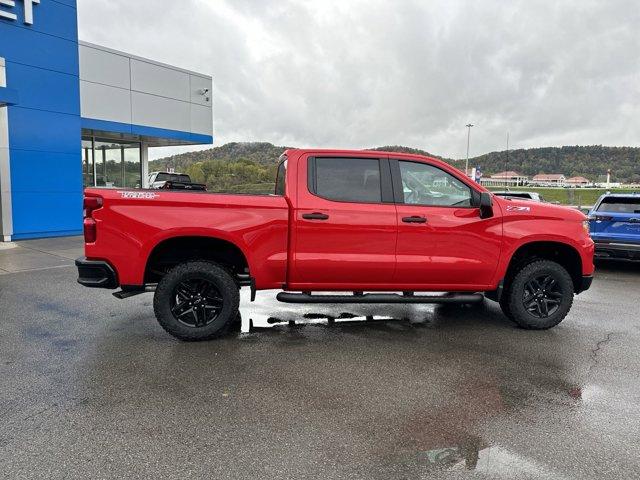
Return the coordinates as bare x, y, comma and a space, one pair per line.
620, 205
172, 177
281, 178
346, 179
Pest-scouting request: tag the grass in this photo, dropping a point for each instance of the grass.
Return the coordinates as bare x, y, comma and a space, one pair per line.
568, 196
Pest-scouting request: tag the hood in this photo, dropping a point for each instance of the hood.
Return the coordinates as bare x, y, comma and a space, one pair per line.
529, 208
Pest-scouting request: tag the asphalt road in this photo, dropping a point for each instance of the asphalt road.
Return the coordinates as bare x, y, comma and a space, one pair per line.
92, 387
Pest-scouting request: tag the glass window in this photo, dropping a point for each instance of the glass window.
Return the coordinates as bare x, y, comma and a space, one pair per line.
620, 205
281, 178
87, 162
172, 177
132, 171
348, 179
424, 184
108, 164
117, 165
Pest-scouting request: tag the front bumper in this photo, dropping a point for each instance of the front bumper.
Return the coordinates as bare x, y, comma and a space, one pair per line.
617, 250
96, 274
585, 284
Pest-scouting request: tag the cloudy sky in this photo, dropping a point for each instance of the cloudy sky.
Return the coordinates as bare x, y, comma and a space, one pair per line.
352, 73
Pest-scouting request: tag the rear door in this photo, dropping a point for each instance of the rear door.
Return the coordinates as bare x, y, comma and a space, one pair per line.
617, 218
345, 223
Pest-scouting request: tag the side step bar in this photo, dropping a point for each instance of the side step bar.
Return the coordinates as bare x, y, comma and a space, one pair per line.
287, 297
128, 292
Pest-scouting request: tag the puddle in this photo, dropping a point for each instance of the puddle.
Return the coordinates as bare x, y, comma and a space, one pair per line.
475, 455
267, 312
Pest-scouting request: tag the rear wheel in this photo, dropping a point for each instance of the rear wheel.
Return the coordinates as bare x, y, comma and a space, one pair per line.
196, 301
539, 296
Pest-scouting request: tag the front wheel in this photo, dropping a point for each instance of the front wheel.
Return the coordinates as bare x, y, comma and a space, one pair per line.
540, 295
196, 301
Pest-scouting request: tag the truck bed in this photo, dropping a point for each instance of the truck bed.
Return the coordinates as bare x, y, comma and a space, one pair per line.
131, 223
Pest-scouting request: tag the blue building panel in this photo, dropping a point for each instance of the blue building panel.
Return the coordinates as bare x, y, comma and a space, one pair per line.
144, 131
41, 63
38, 49
33, 171
46, 214
50, 17
44, 131
8, 96
36, 87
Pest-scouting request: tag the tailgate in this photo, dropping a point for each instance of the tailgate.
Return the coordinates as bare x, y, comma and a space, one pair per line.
617, 218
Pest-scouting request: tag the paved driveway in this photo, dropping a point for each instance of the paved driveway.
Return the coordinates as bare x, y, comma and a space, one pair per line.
93, 387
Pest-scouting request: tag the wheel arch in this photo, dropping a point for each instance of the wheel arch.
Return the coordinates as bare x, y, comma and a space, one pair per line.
173, 250
562, 253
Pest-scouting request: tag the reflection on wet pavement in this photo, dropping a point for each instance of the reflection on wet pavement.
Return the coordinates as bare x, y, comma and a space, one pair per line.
266, 312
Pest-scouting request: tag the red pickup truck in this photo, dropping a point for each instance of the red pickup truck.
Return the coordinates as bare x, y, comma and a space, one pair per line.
343, 223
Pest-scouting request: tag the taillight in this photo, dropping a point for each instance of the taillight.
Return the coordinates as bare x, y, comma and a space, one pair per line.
90, 231
89, 225
90, 204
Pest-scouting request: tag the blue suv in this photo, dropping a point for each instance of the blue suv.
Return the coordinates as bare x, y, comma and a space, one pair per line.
615, 226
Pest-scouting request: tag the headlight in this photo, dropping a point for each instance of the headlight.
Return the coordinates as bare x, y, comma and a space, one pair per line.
585, 226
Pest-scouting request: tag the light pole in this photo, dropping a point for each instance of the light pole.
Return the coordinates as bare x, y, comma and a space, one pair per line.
506, 164
466, 166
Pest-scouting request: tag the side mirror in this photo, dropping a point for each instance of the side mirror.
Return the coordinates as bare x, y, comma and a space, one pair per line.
486, 205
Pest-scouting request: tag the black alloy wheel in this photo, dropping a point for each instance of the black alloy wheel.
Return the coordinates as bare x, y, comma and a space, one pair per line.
196, 302
542, 296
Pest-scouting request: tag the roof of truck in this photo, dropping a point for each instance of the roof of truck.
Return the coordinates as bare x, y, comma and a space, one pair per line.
355, 151
626, 194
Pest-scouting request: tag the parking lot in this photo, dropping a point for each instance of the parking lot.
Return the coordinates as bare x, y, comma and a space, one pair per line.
93, 387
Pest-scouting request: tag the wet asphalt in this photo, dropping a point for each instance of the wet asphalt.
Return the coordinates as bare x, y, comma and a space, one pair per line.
92, 387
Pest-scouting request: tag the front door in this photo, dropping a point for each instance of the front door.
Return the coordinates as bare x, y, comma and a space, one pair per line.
345, 223
442, 241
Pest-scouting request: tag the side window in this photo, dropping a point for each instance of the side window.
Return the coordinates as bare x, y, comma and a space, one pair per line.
424, 184
347, 179
281, 178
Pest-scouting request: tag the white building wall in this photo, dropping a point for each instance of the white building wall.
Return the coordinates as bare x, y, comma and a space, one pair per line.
6, 217
119, 87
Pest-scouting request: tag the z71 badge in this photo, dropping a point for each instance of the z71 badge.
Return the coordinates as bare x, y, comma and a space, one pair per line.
516, 208
140, 195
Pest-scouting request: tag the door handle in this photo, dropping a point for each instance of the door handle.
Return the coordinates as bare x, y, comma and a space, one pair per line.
414, 219
315, 216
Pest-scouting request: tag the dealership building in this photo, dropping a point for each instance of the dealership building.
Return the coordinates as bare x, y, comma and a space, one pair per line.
74, 114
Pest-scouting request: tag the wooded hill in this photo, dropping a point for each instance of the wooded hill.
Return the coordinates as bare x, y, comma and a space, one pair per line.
250, 167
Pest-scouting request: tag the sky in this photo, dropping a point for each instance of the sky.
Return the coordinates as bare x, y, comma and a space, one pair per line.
358, 74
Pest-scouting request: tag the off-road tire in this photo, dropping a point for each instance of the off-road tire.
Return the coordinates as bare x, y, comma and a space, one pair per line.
197, 271
520, 289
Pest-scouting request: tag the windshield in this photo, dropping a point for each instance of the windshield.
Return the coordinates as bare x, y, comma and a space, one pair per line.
620, 205
515, 195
